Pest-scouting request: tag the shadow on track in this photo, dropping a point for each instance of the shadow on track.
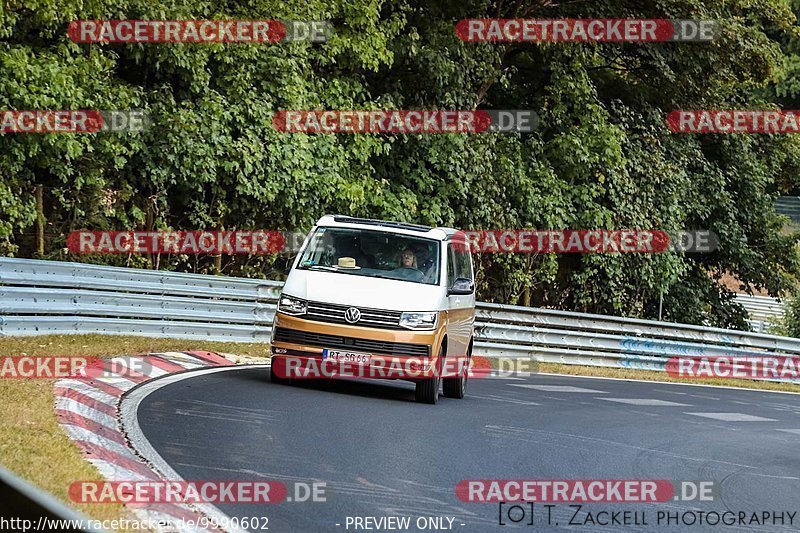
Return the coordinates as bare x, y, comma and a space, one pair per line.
394, 390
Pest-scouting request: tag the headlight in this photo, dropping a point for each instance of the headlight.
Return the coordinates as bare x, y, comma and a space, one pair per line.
291, 305
418, 320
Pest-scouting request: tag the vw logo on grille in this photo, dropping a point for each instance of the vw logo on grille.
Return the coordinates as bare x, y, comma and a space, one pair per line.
352, 315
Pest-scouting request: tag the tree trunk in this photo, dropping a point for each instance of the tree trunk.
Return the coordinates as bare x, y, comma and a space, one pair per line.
40, 221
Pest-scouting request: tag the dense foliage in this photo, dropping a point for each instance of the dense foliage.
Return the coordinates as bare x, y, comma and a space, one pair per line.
601, 158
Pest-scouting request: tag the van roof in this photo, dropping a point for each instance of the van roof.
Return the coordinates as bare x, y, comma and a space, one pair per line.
438, 233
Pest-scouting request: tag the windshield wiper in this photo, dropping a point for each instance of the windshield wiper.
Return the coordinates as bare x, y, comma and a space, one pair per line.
322, 267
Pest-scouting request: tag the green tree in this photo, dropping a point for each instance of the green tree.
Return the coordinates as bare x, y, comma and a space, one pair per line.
601, 158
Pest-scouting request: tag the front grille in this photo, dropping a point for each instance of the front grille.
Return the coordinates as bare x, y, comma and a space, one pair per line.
309, 338
372, 318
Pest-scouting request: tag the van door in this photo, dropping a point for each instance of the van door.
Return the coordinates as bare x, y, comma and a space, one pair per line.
460, 307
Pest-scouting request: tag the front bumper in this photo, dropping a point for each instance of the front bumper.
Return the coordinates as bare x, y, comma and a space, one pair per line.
387, 348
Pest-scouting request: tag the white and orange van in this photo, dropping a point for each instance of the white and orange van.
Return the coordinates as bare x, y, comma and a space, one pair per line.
365, 292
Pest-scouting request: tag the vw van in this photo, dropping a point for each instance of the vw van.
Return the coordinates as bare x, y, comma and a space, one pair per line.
365, 292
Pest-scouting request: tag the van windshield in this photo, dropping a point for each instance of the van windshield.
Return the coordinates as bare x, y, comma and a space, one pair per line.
372, 253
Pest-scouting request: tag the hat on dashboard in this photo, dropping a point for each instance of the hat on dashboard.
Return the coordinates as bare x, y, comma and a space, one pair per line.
347, 262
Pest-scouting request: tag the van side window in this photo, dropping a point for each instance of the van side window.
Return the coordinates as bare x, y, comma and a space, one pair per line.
463, 262
451, 265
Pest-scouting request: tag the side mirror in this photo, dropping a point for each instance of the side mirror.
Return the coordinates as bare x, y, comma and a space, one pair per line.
461, 286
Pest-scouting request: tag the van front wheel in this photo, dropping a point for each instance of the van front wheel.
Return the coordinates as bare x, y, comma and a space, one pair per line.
457, 387
427, 390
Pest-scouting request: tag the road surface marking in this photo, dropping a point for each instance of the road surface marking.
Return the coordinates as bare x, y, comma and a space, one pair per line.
557, 388
643, 401
495, 398
733, 417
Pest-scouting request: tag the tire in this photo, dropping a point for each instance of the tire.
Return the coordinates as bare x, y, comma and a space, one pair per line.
457, 387
427, 390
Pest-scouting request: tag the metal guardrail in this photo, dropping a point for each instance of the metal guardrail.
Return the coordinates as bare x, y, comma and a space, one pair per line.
764, 311
789, 206
24, 507
44, 297
49, 297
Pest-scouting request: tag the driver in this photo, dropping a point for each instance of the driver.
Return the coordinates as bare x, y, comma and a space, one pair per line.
408, 259
408, 266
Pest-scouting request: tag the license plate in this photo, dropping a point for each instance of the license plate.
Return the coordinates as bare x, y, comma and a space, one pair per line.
346, 357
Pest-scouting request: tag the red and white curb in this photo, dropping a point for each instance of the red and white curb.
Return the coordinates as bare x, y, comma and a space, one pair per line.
88, 409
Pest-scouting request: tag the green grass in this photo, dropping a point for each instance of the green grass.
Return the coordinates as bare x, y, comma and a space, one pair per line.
33, 445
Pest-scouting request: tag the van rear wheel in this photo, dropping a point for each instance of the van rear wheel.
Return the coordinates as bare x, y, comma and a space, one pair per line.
455, 387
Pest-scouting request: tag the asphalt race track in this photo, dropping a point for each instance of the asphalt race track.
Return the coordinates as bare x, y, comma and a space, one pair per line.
382, 454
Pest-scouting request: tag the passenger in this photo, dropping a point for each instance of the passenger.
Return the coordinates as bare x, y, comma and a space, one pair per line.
426, 264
